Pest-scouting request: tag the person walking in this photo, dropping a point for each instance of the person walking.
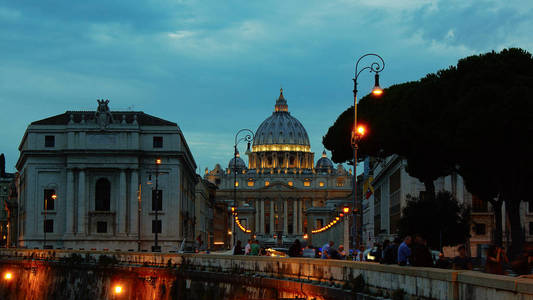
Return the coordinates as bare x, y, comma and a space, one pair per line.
462, 261
255, 248
495, 259
404, 252
248, 247
238, 248
326, 248
342, 252
296, 249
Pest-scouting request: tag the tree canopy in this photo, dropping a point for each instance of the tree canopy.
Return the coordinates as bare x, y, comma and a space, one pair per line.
475, 118
440, 220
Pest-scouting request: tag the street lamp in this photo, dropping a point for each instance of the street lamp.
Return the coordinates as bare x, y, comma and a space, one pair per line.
358, 132
54, 197
155, 226
248, 137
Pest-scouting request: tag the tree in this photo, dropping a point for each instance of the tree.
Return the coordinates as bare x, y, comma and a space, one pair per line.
441, 220
466, 119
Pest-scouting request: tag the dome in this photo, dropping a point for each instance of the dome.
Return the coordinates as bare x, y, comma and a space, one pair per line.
324, 163
281, 131
240, 163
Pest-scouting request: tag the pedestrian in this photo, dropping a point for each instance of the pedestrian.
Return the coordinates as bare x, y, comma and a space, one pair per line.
199, 243
421, 256
248, 247
391, 253
386, 245
238, 248
462, 261
255, 248
359, 254
404, 252
325, 249
495, 259
442, 262
342, 252
296, 249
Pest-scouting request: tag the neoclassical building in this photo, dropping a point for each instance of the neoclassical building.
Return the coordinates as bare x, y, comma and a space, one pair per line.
282, 194
87, 180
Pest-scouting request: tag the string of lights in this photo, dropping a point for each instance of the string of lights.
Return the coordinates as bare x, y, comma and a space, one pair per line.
332, 223
238, 222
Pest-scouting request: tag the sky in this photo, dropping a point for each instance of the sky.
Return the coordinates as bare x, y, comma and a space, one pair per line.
215, 67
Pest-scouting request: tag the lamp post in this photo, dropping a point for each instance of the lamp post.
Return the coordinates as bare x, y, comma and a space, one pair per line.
248, 137
357, 132
54, 197
155, 226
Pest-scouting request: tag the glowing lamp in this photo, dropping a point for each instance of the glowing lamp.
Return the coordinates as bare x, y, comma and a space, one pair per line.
8, 276
345, 210
229, 232
341, 215
337, 218
158, 161
54, 196
118, 289
377, 90
306, 236
361, 130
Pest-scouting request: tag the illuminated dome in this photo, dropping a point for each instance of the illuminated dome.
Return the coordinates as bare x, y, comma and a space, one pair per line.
324, 163
281, 131
240, 163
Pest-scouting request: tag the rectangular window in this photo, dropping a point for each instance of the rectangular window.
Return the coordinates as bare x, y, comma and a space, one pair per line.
49, 195
480, 229
479, 205
156, 226
267, 183
49, 141
307, 183
158, 142
250, 183
157, 200
101, 227
48, 226
319, 223
290, 183
321, 183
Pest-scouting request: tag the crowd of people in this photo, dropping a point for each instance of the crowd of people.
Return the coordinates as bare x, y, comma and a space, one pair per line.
409, 251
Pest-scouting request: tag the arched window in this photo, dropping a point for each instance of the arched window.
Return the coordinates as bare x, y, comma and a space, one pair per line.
102, 195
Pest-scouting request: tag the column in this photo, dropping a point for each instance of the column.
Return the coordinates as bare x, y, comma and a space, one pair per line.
271, 216
285, 217
134, 203
295, 226
301, 213
69, 203
82, 203
257, 213
262, 228
121, 205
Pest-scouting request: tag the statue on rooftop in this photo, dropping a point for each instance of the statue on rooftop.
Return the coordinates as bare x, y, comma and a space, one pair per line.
103, 115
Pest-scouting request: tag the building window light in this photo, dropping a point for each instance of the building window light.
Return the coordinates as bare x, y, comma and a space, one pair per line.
267, 183
321, 183
250, 182
307, 183
290, 183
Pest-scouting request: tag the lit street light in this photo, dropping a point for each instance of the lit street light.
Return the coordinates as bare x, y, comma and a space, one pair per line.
358, 132
8, 276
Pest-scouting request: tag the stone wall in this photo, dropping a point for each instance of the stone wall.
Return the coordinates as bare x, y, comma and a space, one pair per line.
297, 277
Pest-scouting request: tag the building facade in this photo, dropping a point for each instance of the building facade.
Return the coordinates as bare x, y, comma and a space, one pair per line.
204, 204
105, 180
393, 187
281, 195
8, 206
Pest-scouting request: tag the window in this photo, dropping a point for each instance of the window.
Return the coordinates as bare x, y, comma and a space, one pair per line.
156, 226
250, 182
102, 201
49, 199
267, 183
217, 181
157, 200
321, 183
48, 226
307, 183
290, 183
479, 205
480, 228
319, 223
158, 142
49, 141
101, 227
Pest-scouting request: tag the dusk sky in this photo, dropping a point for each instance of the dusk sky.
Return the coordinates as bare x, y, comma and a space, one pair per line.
215, 67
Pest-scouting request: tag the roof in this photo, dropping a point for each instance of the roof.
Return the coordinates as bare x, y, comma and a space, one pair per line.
142, 118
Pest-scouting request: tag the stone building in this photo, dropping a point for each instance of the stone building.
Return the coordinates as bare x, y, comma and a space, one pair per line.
7, 205
204, 204
282, 195
87, 180
393, 187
